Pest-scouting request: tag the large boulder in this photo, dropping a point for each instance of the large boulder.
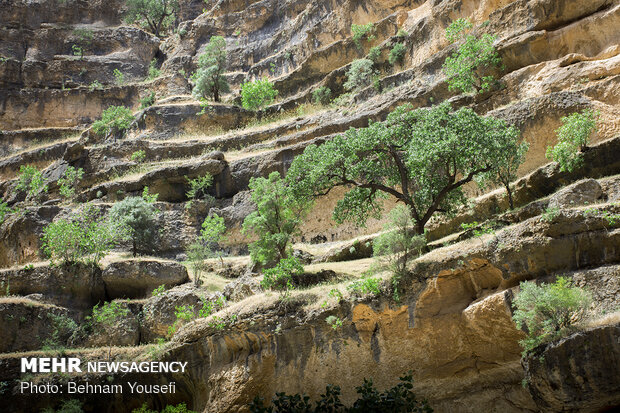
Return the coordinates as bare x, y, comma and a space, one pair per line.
578, 373
241, 288
137, 278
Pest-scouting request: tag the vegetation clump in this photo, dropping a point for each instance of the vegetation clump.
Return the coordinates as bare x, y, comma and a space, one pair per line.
136, 214
280, 277
468, 68
398, 399
179, 408
276, 220
213, 229
69, 181
157, 16
115, 120
573, 139
397, 53
257, 94
362, 31
360, 74
549, 311
31, 181
322, 95
209, 80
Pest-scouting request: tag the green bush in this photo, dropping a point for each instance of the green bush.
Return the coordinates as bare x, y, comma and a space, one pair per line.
213, 228
397, 54
476, 56
114, 120
86, 237
374, 54
399, 243
31, 181
280, 277
157, 16
360, 74
109, 313
147, 100
366, 286
154, 72
322, 95
69, 181
362, 31
549, 311
573, 137
199, 186
138, 156
4, 211
119, 77
275, 221
257, 94
136, 215
209, 80
398, 399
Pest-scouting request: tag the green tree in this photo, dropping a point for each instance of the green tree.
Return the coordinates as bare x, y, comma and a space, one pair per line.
31, 181
322, 95
506, 171
153, 15
276, 219
359, 31
257, 94
549, 311
5, 210
137, 215
280, 277
360, 74
467, 69
69, 181
199, 186
213, 229
209, 80
573, 138
420, 157
87, 236
114, 120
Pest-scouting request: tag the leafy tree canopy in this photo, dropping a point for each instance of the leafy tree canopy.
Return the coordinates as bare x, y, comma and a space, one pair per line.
154, 15
421, 157
209, 80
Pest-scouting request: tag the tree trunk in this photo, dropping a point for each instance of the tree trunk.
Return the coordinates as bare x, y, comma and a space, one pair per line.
134, 249
509, 192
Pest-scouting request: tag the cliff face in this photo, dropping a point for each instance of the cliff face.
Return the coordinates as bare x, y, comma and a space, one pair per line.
452, 324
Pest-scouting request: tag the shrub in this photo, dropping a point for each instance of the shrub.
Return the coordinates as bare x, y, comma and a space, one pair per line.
402, 33
154, 15
549, 311
114, 120
334, 322
257, 94
213, 228
280, 277
362, 31
199, 186
138, 156
276, 219
148, 100
154, 72
86, 236
573, 136
109, 313
366, 286
209, 80
397, 54
119, 77
399, 398
360, 74
4, 211
322, 95
69, 181
466, 67
399, 243
31, 180
159, 290
63, 328
77, 51
95, 85
550, 213
374, 54
136, 215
